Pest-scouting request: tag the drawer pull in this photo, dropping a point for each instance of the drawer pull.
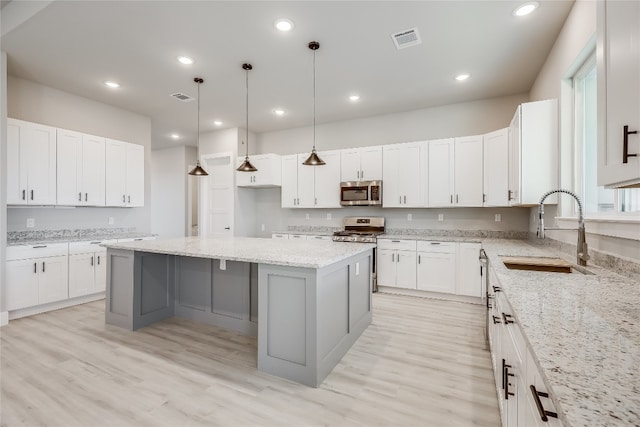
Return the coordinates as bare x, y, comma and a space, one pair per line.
79, 197
506, 376
625, 144
496, 320
434, 243
96, 243
496, 288
24, 194
395, 241
536, 397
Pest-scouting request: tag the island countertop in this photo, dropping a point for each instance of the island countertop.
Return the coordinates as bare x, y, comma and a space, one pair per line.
292, 253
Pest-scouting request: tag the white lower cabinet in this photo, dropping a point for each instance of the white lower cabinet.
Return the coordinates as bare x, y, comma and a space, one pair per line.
516, 374
87, 268
469, 279
397, 263
437, 267
36, 275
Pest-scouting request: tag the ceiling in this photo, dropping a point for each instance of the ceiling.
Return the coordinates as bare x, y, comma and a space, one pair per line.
75, 46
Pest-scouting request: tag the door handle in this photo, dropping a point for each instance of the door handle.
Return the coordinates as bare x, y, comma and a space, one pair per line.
98, 259
625, 144
24, 194
80, 196
86, 196
227, 228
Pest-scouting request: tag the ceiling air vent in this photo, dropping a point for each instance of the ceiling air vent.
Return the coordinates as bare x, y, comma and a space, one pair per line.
182, 97
406, 38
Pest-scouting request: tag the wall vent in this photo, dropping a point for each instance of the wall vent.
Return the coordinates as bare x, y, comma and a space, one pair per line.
182, 97
406, 38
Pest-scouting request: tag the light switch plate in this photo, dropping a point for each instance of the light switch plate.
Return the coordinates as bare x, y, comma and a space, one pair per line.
112, 220
440, 217
262, 227
307, 216
498, 217
357, 268
31, 222
223, 264
328, 217
409, 217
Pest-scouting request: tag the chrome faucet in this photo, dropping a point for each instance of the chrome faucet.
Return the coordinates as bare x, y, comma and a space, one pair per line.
583, 249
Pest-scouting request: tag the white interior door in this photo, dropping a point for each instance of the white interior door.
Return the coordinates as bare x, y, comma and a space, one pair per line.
217, 196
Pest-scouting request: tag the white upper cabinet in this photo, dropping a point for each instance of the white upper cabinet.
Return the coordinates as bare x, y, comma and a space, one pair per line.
124, 174
468, 171
533, 152
311, 186
81, 169
401, 175
31, 163
618, 57
496, 168
441, 172
269, 173
361, 164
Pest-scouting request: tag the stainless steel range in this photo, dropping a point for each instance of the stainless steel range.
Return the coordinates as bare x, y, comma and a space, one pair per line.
362, 230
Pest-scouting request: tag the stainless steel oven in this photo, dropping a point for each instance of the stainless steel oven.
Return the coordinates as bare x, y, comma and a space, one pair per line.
361, 193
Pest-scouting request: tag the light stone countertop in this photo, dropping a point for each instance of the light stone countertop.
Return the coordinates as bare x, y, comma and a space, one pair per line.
293, 253
71, 239
584, 331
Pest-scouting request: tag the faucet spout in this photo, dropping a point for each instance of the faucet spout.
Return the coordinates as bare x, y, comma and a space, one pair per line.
582, 247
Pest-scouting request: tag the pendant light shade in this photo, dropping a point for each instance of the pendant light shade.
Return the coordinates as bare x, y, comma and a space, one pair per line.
246, 166
198, 170
314, 159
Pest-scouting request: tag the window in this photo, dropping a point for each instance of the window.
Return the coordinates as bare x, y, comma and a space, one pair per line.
596, 200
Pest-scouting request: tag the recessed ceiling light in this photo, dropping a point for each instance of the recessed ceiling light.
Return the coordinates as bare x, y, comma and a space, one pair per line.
283, 24
354, 98
278, 111
217, 122
526, 8
112, 85
175, 136
462, 77
185, 60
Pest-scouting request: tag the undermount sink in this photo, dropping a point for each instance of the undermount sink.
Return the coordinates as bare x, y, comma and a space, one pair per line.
547, 264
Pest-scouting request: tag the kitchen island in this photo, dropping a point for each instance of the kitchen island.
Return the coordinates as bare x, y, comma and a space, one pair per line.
307, 301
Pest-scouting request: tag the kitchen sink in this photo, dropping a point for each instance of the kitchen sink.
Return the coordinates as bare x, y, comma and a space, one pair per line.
547, 264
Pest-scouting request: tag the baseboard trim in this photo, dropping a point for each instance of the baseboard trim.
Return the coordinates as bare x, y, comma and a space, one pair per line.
427, 294
30, 311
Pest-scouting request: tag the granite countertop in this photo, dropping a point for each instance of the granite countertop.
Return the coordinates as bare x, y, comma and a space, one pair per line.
294, 253
430, 238
584, 331
81, 238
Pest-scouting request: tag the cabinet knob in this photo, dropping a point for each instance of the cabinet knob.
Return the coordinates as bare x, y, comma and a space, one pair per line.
625, 144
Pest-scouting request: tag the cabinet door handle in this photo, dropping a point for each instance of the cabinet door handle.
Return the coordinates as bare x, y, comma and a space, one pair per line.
509, 193
91, 261
625, 144
124, 198
43, 266
80, 196
418, 259
227, 228
98, 259
31, 194
456, 199
507, 318
484, 198
361, 174
451, 199
400, 201
536, 397
129, 198
358, 174
24, 194
35, 267
86, 197
398, 258
315, 202
392, 257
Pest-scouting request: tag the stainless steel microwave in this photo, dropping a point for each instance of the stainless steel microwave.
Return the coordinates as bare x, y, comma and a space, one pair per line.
361, 193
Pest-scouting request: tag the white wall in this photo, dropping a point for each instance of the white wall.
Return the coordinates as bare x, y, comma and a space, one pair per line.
462, 119
168, 191
4, 319
573, 44
41, 104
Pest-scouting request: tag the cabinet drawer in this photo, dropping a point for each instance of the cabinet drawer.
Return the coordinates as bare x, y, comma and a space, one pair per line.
36, 251
398, 244
88, 246
318, 237
440, 247
279, 236
298, 236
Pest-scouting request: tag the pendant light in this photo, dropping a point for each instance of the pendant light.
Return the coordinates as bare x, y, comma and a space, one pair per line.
313, 159
198, 170
246, 166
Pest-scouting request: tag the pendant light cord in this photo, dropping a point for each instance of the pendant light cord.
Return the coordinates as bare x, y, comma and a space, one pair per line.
247, 110
198, 134
314, 100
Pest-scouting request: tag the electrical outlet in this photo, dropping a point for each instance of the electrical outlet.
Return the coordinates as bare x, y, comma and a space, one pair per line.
31, 222
440, 217
409, 217
307, 216
223, 264
112, 220
262, 227
498, 217
328, 217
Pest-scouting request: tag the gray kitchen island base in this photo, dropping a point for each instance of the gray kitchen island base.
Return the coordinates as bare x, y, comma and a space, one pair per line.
307, 318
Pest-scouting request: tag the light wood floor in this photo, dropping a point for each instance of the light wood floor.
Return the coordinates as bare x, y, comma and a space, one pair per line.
421, 363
